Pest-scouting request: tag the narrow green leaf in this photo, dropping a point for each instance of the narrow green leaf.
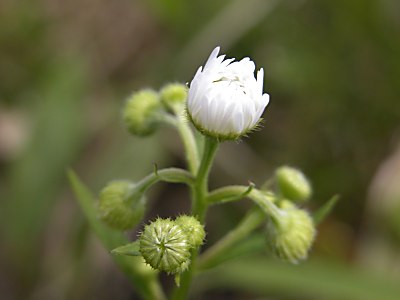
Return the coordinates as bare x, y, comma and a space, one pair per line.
314, 279
142, 277
131, 249
109, 237
325, 210
251, 245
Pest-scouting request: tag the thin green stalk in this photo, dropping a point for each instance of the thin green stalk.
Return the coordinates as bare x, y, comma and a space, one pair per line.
188, 139
175, 175
189, 142
199, 209
200, 191
264, 199
249, 223
228, 194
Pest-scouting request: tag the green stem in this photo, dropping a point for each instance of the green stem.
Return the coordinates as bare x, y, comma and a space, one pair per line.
266, 202
200, 191
250, 222
264, 199
199, 209
189, 142
174, 175
228, 194
188, 139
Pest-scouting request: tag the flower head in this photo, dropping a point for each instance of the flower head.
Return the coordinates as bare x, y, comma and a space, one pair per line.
165, 246
193, 228
119, 207
141, 111
291, 237
293, 184
225, 99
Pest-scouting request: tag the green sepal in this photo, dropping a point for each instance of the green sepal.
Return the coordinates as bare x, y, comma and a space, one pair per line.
325, 210
221, 137
131, 249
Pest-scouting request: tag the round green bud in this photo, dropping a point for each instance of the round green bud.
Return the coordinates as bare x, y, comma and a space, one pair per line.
165, 246
292, 184
140, 112
194, 230
174, 94
118, 207
290, 237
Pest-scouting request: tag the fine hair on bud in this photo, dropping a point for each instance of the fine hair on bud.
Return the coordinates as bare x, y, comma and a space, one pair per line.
119, 207
290, 236
194, 230
293, 184
141, 111
174, 94
165, 246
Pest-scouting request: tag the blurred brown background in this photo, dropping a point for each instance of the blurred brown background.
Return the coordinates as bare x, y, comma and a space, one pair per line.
332, 71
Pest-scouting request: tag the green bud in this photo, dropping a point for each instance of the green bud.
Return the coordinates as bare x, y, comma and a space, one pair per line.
140, 112
173, 94
292, 184
290, 237
119, 207
165, 246
194, 230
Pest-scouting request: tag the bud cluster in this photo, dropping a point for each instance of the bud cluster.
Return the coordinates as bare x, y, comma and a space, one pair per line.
166, 244
291, 230
145, 109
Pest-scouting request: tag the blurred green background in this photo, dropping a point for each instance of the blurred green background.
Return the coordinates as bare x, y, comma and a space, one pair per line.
333, 73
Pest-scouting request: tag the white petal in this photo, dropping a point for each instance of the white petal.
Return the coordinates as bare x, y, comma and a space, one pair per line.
225, 97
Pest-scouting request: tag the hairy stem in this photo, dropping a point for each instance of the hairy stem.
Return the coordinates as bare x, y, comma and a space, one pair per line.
199, 209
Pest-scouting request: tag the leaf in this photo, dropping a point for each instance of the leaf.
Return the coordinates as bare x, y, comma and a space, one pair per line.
325, 210
314, 279
131, 249
251, 245
109, 237
142, 277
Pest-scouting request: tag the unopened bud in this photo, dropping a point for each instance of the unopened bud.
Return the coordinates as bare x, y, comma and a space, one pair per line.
292, 184
290, 237
119, 207
140, 112
194, 230
165, 246
173, 94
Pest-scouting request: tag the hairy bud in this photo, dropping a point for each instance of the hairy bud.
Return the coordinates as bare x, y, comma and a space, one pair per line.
290, 237
165, 246
193, 229
173, 94
140, 112
293, 184
119, 207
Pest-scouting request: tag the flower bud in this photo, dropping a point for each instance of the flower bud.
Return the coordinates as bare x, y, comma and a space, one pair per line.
140, 112
293, 185
225, 99
119, 207
194, 230
165, 246
290, 237
173, 94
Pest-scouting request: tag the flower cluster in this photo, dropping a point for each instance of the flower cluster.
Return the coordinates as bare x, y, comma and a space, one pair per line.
224, 101
166, 244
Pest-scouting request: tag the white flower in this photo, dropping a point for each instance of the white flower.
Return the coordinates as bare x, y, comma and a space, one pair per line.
225, 99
